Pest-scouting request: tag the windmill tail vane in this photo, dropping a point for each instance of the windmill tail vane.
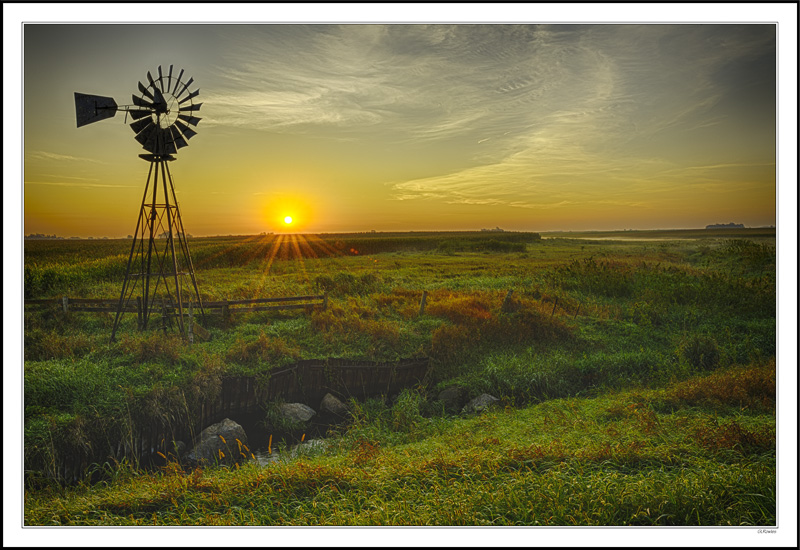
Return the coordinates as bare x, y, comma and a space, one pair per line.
163, 118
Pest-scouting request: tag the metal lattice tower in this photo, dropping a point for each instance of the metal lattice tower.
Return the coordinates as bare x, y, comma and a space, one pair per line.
159, 261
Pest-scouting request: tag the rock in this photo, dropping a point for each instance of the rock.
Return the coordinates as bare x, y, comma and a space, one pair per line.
332, 407
452, 397
480, 403
221, 443
297, 413
178, 449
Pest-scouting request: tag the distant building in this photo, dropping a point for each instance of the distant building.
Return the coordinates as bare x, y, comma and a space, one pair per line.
495, 230
726, 226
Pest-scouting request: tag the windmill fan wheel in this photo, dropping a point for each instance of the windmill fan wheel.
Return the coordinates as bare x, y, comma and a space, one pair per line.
164, 113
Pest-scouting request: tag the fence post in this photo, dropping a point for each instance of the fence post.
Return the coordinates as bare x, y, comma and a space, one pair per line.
163, 316
226, 312
577, 311
506, 307
422, 302
191, 322
65, 303
139, 313
555, 305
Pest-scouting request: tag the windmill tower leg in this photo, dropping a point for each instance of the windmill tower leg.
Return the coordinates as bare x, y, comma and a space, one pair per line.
184, 246
129, 283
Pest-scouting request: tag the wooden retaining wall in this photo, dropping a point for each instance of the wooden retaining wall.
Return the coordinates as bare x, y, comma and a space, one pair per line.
308, 381
305, 382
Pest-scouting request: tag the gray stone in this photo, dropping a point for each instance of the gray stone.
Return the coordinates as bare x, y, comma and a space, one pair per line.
178, 449
331, 406
452, 397
480, 403
221, 443
297, 413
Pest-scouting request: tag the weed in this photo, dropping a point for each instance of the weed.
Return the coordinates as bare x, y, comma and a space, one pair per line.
262, 351
700, 351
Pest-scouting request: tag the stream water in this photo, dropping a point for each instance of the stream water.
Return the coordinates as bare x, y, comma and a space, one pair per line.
264, 457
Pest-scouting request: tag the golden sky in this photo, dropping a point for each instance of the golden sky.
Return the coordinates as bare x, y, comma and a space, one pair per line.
394, 127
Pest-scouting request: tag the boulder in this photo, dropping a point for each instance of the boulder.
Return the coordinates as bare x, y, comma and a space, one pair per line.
480, 403
332, 407
223, 443
452, 397
178, 449
296, 414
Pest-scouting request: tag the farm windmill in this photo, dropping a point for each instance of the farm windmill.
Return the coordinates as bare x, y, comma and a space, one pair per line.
162, 119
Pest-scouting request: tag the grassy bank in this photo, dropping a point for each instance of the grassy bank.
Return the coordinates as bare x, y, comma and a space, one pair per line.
698, 452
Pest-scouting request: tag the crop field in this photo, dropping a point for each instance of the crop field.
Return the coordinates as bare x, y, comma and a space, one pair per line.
635, 375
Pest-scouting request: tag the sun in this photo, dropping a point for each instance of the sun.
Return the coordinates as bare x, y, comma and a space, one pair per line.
287, 220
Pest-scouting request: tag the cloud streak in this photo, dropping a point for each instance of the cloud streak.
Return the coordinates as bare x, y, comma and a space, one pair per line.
45, 155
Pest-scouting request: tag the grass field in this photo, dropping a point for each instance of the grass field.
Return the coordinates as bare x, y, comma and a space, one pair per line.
636, 378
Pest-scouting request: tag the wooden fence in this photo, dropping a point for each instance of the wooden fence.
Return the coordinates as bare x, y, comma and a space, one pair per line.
224, 307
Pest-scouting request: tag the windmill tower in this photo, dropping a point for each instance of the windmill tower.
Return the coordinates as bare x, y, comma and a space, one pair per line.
159, 259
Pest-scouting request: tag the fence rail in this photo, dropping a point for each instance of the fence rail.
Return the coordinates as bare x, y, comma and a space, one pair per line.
225, 307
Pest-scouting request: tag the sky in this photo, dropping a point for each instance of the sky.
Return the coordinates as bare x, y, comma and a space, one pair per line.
396, 127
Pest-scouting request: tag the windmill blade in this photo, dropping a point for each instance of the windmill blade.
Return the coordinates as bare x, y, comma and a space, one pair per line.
155, 141
138, 101
193, 120
140, 125
187, 132
175, 138
145, 91
161, 103
169, 79
195, 107
150, 144
178, 82
147, 136
150, 79
91, 108
136, 114
185, 86
160, 78
190, 96
170, 148
164, 144
178, 138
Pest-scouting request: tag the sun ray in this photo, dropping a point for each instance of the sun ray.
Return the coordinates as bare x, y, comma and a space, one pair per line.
324, 246
270, 258
225, 250
299, 256
306, 248
260, 249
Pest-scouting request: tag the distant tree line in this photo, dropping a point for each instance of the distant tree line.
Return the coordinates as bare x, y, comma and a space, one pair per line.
42, 236
726, 226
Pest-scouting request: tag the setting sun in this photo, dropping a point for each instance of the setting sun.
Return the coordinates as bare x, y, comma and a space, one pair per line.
287, 220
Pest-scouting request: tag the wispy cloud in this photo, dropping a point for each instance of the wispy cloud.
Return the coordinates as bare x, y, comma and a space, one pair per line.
85, 185
45, 155
552, 107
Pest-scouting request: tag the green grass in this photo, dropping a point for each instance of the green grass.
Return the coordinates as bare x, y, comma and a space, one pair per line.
633, 366
617, 459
